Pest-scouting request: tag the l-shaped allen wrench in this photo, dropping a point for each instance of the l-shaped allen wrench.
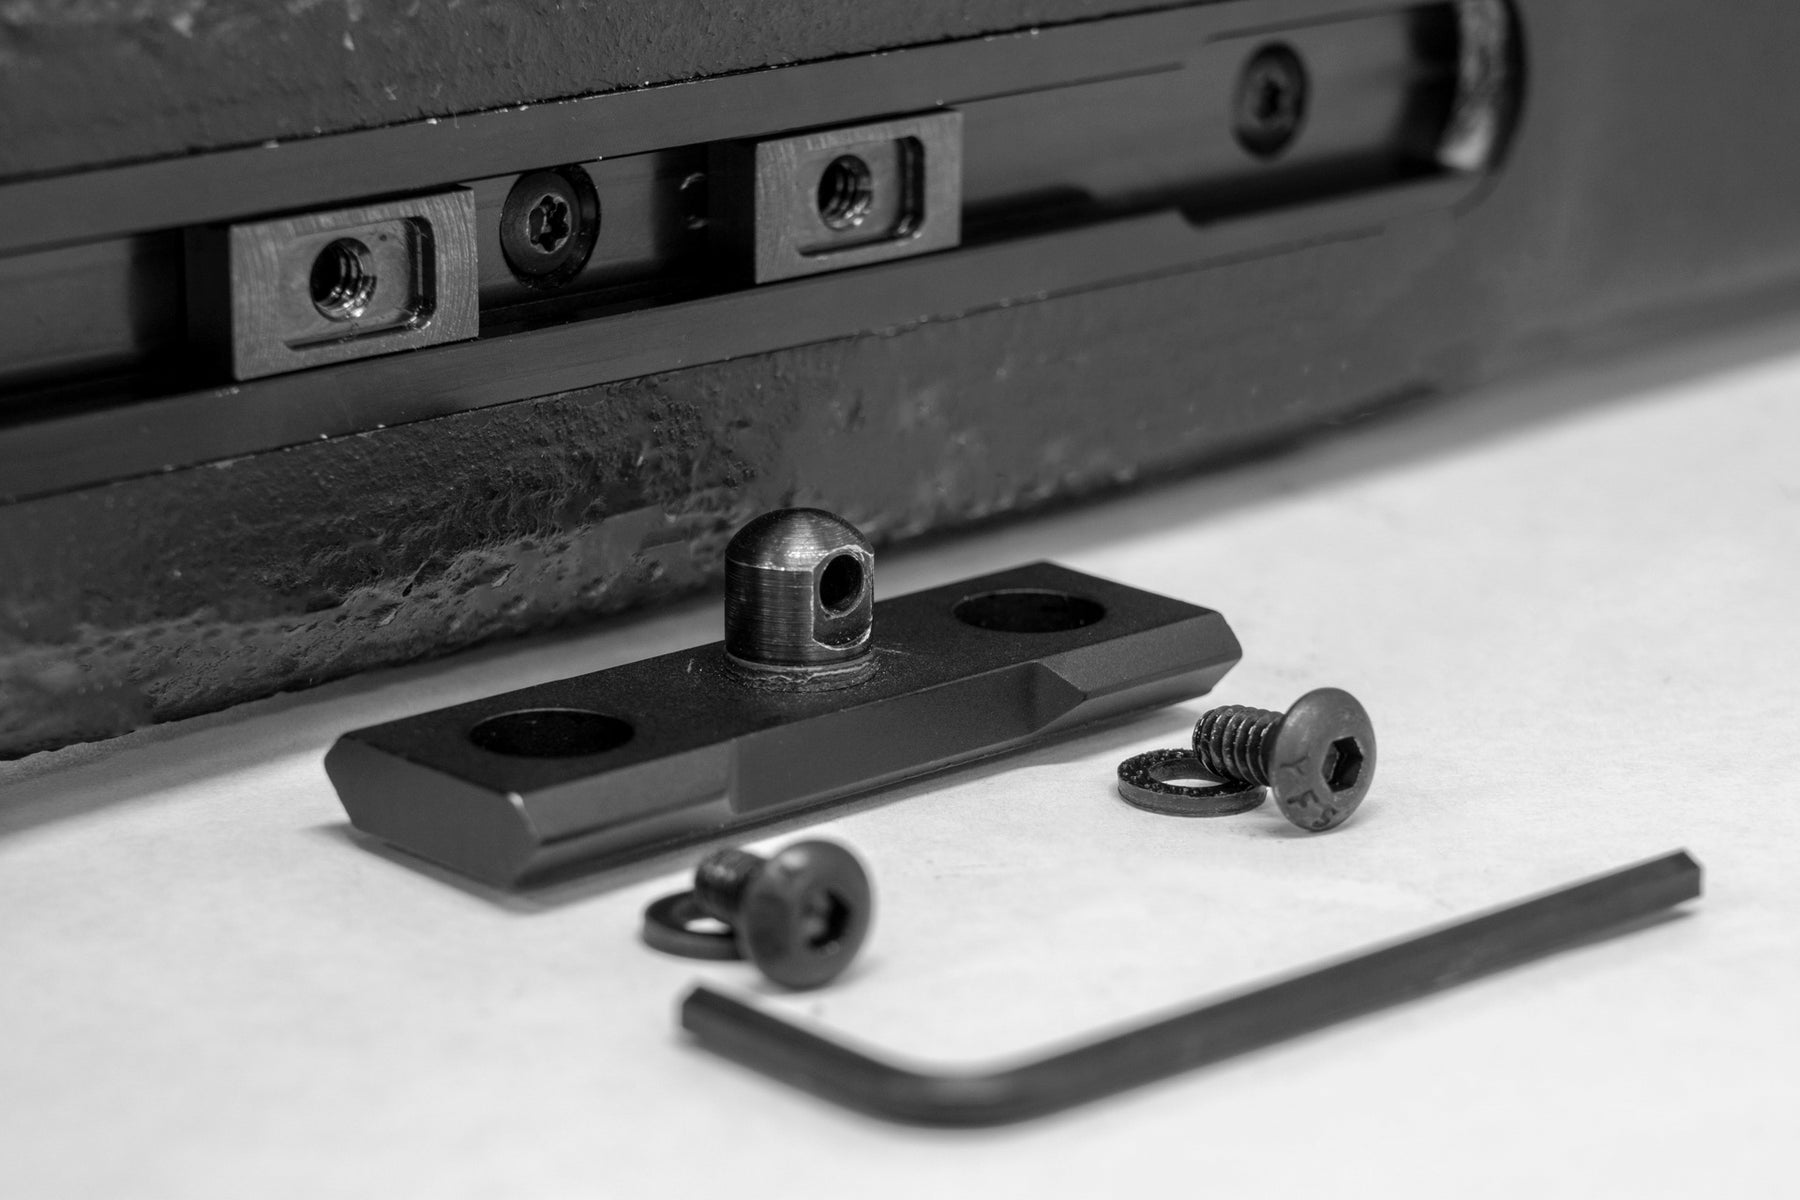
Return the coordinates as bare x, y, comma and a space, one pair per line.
1199, 1036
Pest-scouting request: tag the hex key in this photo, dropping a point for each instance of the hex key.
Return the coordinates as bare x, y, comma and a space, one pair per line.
1198, 1036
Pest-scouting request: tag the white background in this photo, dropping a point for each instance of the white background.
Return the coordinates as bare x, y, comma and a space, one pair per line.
1572, 606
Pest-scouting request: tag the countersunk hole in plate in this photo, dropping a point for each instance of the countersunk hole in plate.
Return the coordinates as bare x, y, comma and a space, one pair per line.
1029, 610
551, 733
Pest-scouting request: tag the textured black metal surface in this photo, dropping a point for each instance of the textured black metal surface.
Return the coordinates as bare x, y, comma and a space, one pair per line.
1151, 132
1200, 1036
78, 445
186, 74
1637, 197
325, 172
1143, 183
708, 751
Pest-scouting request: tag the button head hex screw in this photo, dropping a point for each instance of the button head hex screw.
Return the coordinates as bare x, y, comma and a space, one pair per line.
1318, 758
799, 916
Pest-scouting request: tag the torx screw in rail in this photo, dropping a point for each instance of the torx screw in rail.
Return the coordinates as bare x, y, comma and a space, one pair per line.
799, 916
1318, 758
1269, 109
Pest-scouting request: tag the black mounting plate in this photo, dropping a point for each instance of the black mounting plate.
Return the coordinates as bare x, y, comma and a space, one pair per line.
644, 757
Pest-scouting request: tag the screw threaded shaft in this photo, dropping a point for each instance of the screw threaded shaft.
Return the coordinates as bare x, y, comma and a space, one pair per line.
1233, 742
720, 880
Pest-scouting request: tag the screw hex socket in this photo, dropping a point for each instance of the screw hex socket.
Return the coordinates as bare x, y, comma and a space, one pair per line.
800, 597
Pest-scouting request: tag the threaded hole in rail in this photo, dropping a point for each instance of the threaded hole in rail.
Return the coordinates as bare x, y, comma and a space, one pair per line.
551, 733
846, 191
1029, 610
342, 280
840, 584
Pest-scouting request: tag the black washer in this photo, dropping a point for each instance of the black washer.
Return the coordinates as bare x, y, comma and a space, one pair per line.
1143, 782
666, 928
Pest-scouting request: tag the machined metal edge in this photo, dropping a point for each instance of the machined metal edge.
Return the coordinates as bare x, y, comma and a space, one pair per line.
419, 784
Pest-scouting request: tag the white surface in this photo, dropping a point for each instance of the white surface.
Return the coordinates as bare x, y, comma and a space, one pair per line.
1570, 605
